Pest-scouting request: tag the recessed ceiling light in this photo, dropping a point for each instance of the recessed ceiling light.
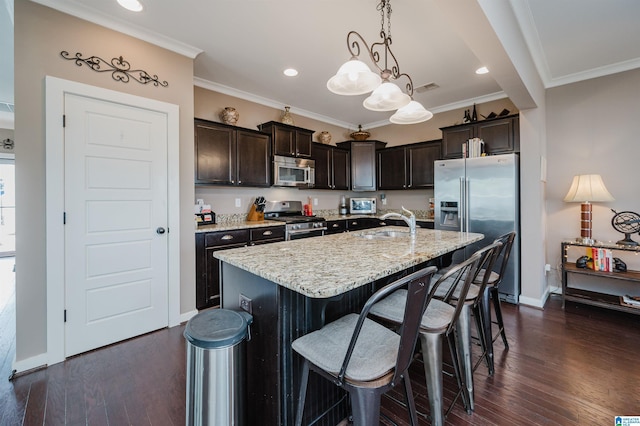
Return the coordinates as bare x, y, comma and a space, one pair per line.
290, 72
482, 70
132, 5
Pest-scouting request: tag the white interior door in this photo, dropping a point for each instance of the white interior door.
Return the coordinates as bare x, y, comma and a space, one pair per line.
115, 196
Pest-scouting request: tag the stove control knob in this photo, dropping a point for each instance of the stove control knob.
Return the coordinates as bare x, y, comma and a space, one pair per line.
295, 227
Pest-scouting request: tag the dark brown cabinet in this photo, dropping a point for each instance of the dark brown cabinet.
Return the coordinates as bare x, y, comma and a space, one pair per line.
408, 166
500, 136
360, 223
271, 234
353, 224
227, 155
208, 267
336, 226
332, 167
290, 141
363, 163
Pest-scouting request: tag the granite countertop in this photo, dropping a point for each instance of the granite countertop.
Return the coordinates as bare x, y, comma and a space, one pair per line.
322, 267
243, 224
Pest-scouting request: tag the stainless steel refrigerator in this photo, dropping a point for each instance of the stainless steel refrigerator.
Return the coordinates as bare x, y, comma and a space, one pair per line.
481, 195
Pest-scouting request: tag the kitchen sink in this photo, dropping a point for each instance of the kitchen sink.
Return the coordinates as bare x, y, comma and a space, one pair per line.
385, 235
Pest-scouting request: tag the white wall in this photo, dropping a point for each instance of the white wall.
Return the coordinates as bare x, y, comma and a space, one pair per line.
592, 128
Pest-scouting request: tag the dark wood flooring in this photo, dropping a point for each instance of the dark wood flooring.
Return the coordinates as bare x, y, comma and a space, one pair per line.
573, 366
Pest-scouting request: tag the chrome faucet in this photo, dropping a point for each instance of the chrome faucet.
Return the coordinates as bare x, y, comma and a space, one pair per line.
410, 219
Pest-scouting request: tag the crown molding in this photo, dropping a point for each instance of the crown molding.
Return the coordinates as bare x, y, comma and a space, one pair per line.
107, 21
593, 73
465, 103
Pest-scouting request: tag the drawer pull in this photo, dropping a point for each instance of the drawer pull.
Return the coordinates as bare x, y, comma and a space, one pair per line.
335, 225
354, 223
267, 233
227, 237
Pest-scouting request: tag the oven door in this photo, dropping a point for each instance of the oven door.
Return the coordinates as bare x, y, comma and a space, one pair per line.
299, 234
296, 172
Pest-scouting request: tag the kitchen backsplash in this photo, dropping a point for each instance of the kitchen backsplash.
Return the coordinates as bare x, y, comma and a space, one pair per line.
223, 199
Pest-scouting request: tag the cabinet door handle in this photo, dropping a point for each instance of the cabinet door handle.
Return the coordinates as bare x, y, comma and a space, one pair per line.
227, 237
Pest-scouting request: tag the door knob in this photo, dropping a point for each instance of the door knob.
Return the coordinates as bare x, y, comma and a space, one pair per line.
160, 230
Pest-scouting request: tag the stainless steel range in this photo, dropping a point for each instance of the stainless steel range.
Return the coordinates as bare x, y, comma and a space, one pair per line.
297, 226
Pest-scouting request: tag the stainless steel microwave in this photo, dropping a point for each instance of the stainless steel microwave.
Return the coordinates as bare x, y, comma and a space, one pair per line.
291, 171
362, 205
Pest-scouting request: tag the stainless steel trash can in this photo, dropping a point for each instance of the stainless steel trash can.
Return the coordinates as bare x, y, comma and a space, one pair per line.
215, 367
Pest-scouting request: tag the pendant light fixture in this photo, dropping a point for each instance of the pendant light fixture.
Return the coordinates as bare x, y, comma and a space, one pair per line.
356, 78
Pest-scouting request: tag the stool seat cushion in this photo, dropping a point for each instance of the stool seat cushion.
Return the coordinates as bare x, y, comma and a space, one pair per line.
436, 318
493, 277
472, 294
374, 355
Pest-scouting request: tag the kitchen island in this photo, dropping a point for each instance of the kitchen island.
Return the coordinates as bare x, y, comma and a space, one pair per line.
294, 287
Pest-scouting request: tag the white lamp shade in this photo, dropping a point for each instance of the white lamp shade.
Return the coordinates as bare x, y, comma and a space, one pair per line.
411, 113
588, 188
386, 97
353, 78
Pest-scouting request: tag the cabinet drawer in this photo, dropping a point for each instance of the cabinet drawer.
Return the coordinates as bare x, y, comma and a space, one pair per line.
223, 238
274, 232
336, 226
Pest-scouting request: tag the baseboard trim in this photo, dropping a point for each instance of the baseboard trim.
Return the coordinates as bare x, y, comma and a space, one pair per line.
535, 303
187, 316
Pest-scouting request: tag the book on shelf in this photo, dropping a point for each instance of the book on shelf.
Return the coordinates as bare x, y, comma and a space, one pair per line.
472, 148
602, 259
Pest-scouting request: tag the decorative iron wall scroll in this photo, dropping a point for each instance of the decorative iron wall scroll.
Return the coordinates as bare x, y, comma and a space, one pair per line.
119, 68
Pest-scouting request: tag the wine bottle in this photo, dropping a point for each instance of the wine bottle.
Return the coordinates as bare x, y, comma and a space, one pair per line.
474, 115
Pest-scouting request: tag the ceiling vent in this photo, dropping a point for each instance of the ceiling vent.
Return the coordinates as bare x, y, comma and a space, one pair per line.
427, 87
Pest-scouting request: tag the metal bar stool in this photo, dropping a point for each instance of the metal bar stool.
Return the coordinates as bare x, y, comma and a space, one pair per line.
489, 295
469, 302
364, 357
438, 322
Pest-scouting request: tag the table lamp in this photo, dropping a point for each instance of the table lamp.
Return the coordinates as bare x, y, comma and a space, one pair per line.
586, 189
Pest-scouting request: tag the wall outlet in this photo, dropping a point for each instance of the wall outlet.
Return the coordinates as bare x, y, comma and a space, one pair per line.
238, 202
245, 303
315, 201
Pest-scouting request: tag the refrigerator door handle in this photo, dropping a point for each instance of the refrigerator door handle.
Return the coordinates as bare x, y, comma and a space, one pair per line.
461, 207
466, 204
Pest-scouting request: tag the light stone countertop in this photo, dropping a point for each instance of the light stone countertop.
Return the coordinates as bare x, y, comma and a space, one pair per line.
231, 225
327, 266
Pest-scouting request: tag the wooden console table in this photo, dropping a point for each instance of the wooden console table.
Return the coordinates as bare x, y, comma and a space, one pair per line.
607, 297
